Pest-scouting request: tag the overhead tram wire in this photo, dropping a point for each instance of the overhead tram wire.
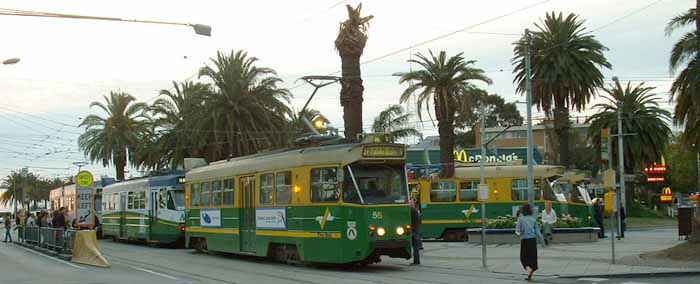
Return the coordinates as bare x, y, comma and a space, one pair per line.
626, 15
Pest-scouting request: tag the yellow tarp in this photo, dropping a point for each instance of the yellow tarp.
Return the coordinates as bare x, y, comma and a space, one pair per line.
86, 251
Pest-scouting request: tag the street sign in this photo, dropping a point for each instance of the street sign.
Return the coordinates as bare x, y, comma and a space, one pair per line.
84, 214
610, 199
609, 178
666, 195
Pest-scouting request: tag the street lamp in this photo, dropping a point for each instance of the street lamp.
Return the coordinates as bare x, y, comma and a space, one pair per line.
11, 61
198, 28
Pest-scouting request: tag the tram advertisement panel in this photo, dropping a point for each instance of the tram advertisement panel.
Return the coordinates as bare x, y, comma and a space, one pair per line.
210, 217
85, 200
271, 218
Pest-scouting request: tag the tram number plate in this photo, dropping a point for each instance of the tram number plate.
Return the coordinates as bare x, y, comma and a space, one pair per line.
378, 215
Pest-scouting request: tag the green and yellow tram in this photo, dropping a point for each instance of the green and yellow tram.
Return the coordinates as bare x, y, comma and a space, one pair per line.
336, 204
149, 209
449, 206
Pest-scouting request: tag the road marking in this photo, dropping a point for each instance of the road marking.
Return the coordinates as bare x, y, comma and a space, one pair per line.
154, 273
52, 258
635, 282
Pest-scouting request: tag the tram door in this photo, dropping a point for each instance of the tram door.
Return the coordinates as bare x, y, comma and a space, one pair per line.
153, 212
247, 230
122, 214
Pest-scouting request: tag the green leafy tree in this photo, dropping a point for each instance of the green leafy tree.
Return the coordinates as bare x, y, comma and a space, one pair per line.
176, 124
445, 82
682, 166
566, 63
246, 111
494, 108
394, 121
112, 138
685, 56
350, 44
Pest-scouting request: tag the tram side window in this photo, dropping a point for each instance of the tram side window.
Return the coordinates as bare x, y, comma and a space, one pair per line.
216, 193
284, 188
324, 185
267, 188
195, 190
443, 191
130, 200
115, 199
228, 191
468, 190
142, 200
519, 189
206, 194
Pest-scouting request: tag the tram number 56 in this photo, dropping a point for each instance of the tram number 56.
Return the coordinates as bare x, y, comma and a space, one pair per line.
378, 215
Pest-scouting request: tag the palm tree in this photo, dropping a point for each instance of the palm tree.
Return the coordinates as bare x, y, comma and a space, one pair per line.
111, 139
566, 62
16, 183
445, 81
350, 44
641, 115
394, 122
686, 54
176, 120
246, 112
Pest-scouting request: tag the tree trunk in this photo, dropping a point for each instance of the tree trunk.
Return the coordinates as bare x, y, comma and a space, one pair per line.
695, 227
447, 138
120, 164
351, 94
561, 128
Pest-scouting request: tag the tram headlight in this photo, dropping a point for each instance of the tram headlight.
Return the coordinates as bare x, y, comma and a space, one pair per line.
381, 232
400, 231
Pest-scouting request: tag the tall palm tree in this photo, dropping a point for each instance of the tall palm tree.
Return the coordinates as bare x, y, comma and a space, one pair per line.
641, 115
394, 122
247, 111
111, 139
445, 81
566, 70
176, 121
16, 183
350, 44
685, 55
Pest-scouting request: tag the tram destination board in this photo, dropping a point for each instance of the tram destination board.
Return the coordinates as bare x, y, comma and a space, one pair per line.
383, 151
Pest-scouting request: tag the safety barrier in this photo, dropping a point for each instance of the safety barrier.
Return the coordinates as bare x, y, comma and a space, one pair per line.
58, 240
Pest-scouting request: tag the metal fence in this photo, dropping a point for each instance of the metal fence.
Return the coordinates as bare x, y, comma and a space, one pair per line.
58, 240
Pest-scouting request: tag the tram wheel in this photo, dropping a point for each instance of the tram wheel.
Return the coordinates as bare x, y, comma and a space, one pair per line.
200, 245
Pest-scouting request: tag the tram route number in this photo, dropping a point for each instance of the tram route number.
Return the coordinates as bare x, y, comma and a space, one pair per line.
378, 215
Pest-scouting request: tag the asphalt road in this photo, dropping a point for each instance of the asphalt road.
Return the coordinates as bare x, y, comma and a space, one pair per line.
134, 264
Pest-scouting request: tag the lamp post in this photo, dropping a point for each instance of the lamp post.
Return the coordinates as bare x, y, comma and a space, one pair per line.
199, 29
528, 84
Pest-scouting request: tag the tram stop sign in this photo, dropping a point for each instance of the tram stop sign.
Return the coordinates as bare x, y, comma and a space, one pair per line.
84, 214
666, 195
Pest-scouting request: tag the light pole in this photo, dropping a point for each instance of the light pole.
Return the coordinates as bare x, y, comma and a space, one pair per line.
198, 28
528, 84
621, 158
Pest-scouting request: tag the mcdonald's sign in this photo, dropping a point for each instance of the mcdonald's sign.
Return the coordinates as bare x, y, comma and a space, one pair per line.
666, 195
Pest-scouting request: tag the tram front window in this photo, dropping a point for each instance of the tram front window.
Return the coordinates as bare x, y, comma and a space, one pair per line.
176, 199
378, 184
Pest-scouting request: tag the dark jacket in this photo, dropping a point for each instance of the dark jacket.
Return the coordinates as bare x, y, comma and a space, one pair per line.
415, 219
59, 221
598, 216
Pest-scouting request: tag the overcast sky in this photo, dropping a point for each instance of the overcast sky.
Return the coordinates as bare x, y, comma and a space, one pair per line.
66, 64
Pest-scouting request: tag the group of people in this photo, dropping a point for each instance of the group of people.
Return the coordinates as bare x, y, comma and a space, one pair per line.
54, 219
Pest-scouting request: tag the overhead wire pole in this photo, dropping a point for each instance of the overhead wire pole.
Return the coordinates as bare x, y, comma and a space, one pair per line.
621, 161
482, 182
528, 84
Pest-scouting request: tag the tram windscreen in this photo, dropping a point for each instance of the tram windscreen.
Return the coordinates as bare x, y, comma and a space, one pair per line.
176, 199
378, 184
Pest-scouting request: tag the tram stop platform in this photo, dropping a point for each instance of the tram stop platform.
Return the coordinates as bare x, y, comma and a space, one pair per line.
566, 260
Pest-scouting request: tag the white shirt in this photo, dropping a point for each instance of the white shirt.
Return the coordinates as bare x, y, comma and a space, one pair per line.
550, 218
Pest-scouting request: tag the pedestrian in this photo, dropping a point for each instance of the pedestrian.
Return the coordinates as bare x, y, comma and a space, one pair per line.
529, 233
59, 221
416, 241
598, 216
623, 224
549, 221
19, 225
8, 228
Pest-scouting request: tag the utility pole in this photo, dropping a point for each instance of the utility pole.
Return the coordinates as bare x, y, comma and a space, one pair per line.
482, 182
528, 84
697, 159
621, 160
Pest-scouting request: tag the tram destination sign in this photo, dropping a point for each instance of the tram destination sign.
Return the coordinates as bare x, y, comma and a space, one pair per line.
384, 151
